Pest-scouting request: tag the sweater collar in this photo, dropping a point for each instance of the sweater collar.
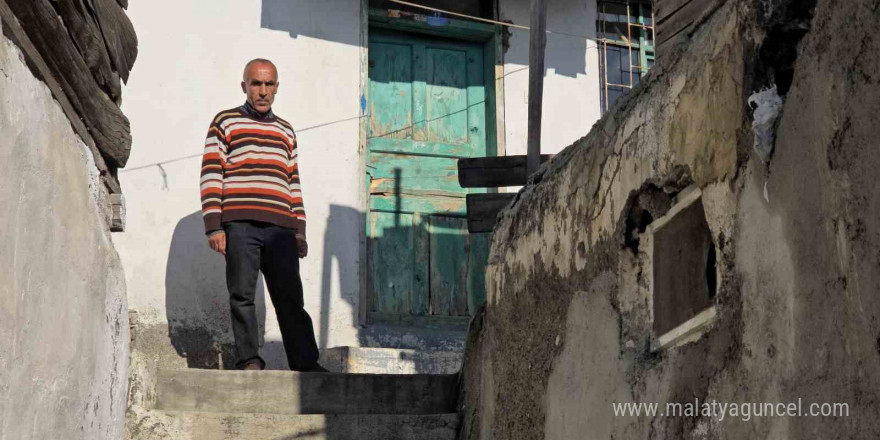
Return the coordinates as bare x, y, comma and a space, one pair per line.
252, 112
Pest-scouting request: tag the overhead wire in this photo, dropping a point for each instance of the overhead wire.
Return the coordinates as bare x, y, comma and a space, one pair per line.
191, 156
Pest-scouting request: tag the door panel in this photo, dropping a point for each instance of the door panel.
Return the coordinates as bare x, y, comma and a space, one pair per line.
407, 171
391, 90
446, 103
449, 266
424, 148
392, 262
427, 109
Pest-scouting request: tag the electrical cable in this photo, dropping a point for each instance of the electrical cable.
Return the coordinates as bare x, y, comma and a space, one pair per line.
191, 156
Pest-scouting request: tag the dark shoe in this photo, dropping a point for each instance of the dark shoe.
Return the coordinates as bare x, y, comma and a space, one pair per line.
254, 365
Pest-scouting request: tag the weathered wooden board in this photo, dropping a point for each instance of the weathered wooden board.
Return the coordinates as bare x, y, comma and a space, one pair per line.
664, 8
85, 32
12, 29
421, 264
119, 36
391, 262
483, 209
449, 266
537, 45
49, 34
392, 172
679, 16
494, 172
427, 202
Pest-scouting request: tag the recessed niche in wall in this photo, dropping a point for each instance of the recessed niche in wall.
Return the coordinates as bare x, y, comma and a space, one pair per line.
683, 272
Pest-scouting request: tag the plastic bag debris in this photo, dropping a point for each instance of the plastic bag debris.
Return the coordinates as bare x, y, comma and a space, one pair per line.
767, 105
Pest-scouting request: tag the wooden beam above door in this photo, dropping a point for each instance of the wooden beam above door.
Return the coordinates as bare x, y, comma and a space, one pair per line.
494, 172
483, 209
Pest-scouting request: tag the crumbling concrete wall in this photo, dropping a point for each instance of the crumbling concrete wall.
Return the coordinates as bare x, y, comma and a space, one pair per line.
567, 330
63, 313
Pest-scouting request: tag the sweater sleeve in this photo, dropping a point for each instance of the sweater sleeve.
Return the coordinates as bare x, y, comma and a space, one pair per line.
211, 182
297, 207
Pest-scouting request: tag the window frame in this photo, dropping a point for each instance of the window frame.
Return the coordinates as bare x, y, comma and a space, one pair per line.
646, 52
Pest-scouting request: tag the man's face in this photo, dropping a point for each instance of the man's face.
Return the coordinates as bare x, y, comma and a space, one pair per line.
260, 85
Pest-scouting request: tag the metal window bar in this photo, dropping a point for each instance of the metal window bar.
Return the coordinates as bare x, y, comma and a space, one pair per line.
629, 48
634, 9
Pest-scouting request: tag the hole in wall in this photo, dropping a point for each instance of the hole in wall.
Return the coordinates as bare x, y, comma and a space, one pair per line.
711, 271
683, 262
644, 205
779, 50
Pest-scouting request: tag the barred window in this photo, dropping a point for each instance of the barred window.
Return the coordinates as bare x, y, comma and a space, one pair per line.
625, 30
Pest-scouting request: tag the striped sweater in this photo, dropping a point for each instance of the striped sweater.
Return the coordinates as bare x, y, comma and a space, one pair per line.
250, 171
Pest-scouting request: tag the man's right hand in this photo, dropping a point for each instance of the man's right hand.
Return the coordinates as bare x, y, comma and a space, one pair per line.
218, 242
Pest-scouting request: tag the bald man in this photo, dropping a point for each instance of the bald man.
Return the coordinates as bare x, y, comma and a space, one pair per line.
253, 211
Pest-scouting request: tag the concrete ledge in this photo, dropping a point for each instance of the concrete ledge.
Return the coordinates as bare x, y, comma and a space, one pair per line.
287, 392
689, 331
370, 360
682, 201
224, 426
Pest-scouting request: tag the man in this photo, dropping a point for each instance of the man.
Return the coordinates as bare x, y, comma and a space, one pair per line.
253, 211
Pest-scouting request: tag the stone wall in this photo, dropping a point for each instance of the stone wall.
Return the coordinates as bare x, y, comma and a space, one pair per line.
63, 313
567, 330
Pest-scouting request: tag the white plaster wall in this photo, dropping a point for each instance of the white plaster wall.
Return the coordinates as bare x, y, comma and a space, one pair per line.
63, 321
189, 68
571, 82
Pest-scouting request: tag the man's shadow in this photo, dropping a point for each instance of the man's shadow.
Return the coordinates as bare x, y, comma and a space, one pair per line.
197, 301
340, 249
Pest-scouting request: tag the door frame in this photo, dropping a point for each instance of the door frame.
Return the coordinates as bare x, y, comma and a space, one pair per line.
491, 37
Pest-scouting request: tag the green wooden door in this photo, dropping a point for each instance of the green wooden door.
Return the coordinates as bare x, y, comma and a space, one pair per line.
427, 109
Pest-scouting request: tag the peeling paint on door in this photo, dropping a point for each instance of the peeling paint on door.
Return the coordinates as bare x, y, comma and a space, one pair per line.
427, 109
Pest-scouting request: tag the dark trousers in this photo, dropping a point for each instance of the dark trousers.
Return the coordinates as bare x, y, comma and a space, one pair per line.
252, 247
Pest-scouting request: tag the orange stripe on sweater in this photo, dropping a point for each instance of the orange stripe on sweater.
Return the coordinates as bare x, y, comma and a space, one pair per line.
253, 139
270, 192
272, 133
256, 208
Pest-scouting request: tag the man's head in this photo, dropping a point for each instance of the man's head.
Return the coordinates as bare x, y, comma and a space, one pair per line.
260, 83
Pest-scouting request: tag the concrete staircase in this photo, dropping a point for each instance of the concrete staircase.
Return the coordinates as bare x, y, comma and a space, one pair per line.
225, 405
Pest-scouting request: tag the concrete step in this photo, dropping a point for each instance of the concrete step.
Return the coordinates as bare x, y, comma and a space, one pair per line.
425, 336
370, 360
220, 426
288, 392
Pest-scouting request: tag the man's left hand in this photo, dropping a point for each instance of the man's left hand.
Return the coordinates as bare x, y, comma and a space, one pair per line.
302, 246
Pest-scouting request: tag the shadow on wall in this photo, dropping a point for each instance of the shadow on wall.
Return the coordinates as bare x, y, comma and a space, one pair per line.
341, 245
196, 298
313, 19
559, 55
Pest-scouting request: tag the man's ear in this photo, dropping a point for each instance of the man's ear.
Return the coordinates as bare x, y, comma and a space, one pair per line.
277, 84
243, 87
